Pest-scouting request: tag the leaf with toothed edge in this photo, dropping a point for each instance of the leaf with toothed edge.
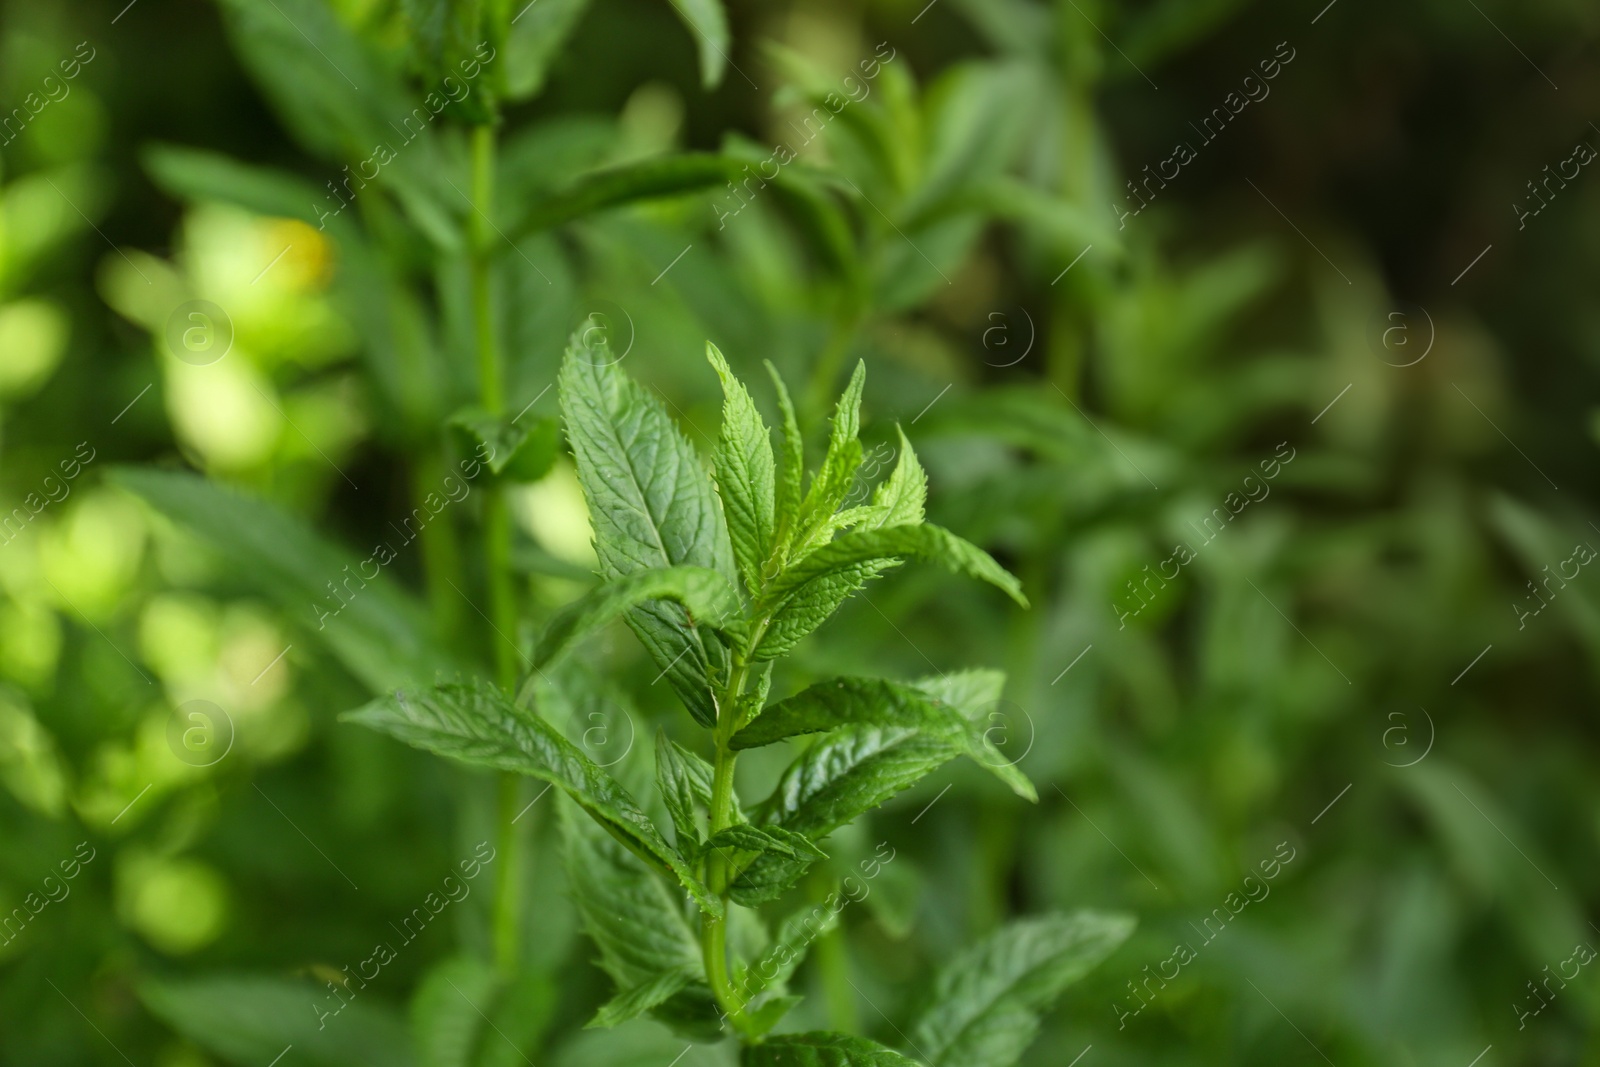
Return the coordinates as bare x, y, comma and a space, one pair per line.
703, 593
984, 1008
745, 473
651, 505
875, 702
850, 772
822, 1048
475, 723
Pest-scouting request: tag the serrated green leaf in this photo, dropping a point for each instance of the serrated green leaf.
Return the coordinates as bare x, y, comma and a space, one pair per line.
790, 475
708, 22
634, 1002
834, 479
900, 499
676, 779
636, 923
447, 1011
972, 692
852, 771
703, 593
874, 702
926, 542
985, 1004
684, 780
763, 862
750, 839
821, 1048
848, 702
651, 505
780, 859
251, 1019
475, 723
526, 448
745, 473
811, 605
378, 632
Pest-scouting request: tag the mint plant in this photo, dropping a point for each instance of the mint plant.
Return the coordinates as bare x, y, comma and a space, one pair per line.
720, 574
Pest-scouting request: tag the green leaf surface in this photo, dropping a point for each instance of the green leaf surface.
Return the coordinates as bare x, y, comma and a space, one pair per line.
925, 542
377, 631
681, 783
808, 607
249, 1020
630, 183
704, 594
985, 1004
790, 475
196, 175
448, 1011
708, 22
651, 505
899, 500
525, 447
765, 861
790, 943
852, 771
841, 702
634, 1002
475, 723
745, 473
639, 927
538, 32
971, 692
848, 702
833, 481
821, 1048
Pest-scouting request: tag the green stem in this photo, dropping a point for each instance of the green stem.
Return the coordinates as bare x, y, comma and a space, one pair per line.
496, 546
713, 930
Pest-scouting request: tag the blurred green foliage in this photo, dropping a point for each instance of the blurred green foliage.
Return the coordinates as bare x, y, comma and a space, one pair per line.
1350, 669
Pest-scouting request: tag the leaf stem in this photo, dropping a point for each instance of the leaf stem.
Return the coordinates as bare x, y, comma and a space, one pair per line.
496, 546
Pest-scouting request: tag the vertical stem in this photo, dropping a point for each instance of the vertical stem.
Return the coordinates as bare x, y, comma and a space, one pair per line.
713, 931
496, 546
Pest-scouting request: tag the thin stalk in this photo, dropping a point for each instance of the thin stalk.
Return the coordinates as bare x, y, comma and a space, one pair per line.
713, 931
496, 547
